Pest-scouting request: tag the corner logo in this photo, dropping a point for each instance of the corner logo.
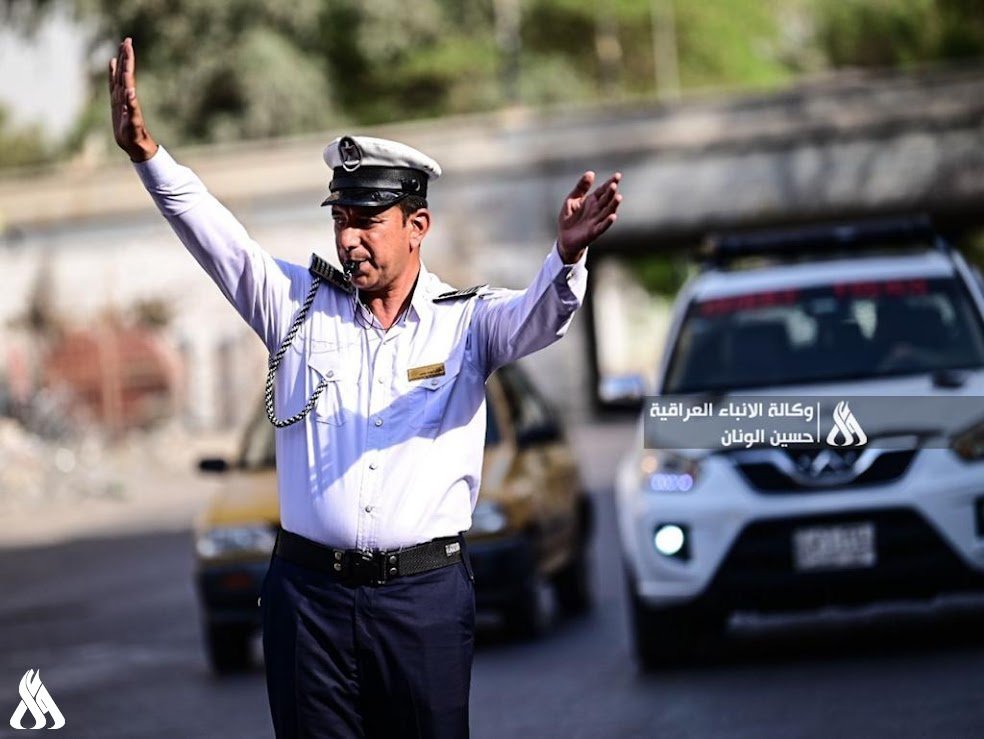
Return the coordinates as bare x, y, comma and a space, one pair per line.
36, 700
846, 425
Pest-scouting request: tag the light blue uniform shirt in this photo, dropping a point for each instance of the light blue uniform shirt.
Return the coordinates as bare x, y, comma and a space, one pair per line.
382, 461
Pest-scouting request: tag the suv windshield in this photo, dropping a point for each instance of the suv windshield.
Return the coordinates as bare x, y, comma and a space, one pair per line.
842, 331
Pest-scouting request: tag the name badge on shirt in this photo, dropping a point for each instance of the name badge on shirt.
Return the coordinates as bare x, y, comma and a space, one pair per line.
425, 372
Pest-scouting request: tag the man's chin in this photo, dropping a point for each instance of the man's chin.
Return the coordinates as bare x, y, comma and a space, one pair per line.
363, 282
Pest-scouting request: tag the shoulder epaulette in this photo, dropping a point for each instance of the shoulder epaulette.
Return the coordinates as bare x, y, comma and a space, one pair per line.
334, 277
462, 294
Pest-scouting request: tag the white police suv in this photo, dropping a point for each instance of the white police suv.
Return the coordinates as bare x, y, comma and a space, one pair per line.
867, 309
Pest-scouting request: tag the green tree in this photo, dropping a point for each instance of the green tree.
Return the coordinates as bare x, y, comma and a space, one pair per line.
876, 33
891, 33
212, 71
394, 60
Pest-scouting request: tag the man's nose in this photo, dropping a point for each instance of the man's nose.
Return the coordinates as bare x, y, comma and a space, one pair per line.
347, 238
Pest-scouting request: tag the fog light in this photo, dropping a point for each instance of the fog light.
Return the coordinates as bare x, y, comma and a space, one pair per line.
667, 483
670, 540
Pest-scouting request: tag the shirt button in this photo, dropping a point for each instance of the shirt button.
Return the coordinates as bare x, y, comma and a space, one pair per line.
380, 380
330, 373
368, 509
372, 465
433, 383
378, 422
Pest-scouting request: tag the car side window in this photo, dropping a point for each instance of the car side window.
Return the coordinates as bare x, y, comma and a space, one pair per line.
258, 447
533, 418
492, 434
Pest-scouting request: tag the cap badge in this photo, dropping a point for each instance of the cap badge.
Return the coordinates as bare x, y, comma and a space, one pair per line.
350, 154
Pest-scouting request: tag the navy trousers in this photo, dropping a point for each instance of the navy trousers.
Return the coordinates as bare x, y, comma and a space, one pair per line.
392, 660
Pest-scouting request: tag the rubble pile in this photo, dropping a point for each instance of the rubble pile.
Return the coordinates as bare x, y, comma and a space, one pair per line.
36, 471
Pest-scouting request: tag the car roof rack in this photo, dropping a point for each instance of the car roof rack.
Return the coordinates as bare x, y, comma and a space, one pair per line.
824, 239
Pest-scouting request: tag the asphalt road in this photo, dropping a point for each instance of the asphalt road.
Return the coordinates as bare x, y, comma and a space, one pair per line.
112, 626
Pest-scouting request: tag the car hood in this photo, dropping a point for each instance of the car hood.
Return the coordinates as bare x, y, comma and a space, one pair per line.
243, 497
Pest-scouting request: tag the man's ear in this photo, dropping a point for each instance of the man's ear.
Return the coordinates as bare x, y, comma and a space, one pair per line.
419, 223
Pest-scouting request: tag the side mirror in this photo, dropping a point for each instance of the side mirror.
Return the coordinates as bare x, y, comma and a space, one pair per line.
213, 464
627, 388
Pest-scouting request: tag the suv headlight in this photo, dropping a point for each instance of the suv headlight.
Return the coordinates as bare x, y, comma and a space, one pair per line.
664, 471
488, 518
225, 540
969, 444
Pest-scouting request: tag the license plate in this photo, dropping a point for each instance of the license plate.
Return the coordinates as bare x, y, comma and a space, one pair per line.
834, 547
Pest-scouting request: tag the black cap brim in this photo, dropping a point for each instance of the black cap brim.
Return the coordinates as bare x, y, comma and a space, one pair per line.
364, 198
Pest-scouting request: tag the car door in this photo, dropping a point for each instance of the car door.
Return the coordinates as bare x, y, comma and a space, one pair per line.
545, 455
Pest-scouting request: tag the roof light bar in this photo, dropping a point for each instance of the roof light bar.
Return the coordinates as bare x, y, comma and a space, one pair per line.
823, 238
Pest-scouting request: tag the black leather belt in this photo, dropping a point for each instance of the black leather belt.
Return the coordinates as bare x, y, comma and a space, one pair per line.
355, 567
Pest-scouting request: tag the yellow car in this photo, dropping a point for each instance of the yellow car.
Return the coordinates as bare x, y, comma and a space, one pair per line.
530, 528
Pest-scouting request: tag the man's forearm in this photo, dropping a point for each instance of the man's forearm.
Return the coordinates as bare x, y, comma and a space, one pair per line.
511, 324
256, 284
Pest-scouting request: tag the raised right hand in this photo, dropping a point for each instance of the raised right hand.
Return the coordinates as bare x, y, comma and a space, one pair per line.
129, 127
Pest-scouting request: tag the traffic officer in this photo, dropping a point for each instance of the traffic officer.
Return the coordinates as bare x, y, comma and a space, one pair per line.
377, 389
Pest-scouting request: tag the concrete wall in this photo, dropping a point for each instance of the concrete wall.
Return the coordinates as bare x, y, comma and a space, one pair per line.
847, 145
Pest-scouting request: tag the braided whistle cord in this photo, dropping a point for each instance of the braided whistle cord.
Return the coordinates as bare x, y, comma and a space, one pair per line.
275, 364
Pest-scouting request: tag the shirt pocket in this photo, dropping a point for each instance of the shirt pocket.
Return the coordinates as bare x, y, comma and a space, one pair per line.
329, 366
431, 397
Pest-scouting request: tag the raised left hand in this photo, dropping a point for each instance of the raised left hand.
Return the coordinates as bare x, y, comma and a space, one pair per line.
583, 218
129, 127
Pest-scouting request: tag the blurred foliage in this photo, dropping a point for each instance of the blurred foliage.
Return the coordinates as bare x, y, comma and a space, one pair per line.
20, 145
971, 244
213, 71
662, 275
729, 43
393, 60
889, 33
216, 70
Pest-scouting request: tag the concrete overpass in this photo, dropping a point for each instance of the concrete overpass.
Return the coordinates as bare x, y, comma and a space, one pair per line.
848, 145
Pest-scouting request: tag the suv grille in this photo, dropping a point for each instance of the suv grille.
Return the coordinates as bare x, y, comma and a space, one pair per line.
780, 472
